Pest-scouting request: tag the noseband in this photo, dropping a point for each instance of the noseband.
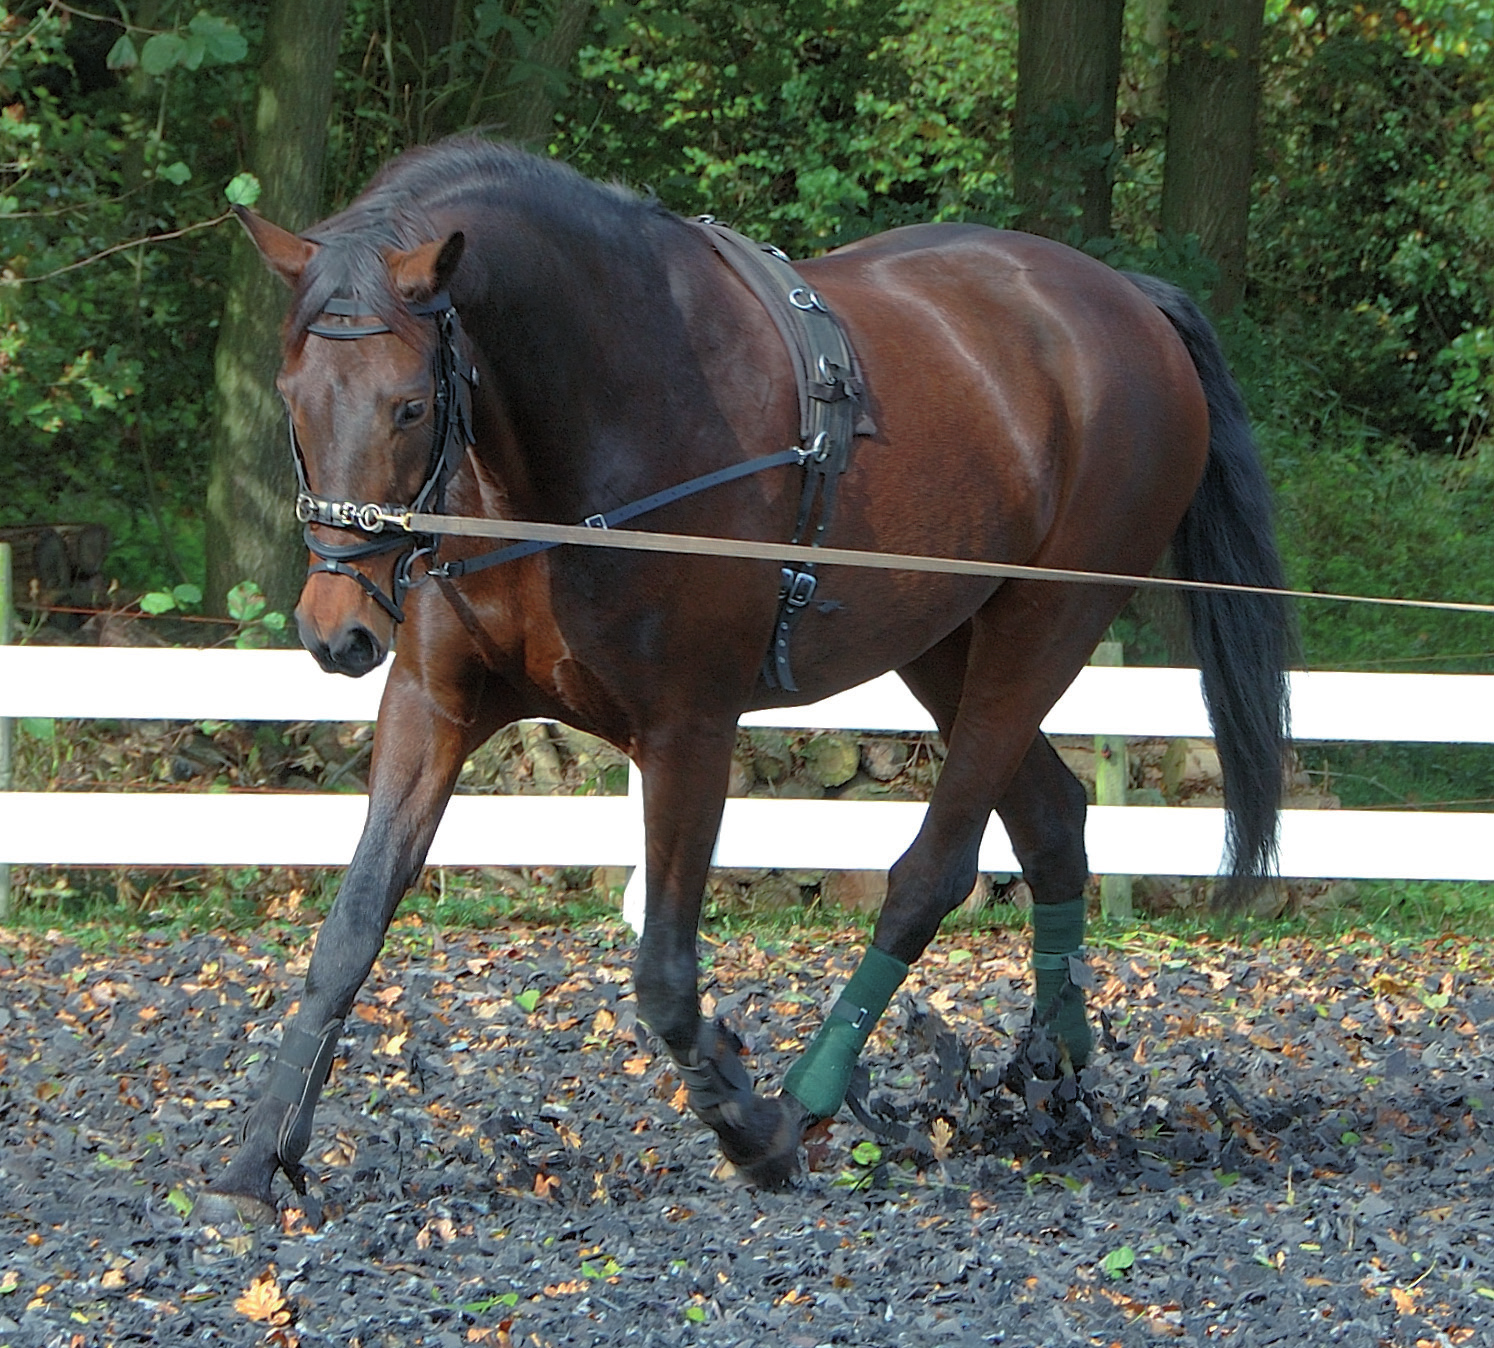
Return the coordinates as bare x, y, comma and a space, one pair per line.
454, 379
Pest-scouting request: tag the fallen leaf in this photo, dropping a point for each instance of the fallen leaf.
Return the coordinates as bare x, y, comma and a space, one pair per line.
443, 1227
293, 1222
263, 1300
635, 1067
1405, 1299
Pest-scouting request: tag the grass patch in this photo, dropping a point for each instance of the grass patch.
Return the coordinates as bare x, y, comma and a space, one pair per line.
98, 907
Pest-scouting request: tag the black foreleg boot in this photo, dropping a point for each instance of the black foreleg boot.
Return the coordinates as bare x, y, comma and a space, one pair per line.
759, 1136
301, 1069
278, 1130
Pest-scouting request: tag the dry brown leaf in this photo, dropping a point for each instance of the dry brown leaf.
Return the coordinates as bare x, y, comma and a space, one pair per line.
442, 1227
263, 1300
636, 1067
941, 1134
545, 1185
1405, 1299
293, 1222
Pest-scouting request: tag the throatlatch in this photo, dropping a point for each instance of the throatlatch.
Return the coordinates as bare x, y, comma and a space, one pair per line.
453, 378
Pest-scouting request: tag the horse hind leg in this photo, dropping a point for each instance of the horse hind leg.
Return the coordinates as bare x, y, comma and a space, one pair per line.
987, 686
1043, 809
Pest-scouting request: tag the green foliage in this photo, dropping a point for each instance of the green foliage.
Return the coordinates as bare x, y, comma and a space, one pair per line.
243, 190
1374, 228
807, 121
183, 598
1119, 1261
110, 134
259, 625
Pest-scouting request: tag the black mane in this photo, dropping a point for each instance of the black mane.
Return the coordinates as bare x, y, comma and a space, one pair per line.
398, 208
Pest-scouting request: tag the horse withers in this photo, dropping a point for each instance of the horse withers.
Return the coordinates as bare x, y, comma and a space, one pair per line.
489, 334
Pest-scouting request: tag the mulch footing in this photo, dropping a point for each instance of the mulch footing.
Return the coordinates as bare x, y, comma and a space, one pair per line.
1280, 1143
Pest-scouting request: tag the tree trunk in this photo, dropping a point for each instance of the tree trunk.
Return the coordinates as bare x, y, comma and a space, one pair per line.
427, 99
525, 110
252, 532
1213, 88
525, 78
1068, 67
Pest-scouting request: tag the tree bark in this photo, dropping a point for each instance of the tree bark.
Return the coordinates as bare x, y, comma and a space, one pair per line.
252, 532
525, 110
1068, 67
1213, 90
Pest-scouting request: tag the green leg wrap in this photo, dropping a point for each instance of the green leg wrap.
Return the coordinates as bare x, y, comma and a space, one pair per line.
819, 1079
1057, 935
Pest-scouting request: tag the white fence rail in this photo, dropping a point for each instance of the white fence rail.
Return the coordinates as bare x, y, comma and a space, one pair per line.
255, 828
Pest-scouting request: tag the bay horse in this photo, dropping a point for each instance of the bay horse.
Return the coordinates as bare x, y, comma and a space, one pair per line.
492, 334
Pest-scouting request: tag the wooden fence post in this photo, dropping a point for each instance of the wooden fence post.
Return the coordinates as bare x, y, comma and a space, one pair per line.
5, 723
1112, 781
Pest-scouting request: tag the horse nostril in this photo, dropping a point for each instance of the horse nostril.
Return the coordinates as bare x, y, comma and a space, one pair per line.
357, 653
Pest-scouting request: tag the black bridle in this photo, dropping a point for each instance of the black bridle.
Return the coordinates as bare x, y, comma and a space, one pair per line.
453, 378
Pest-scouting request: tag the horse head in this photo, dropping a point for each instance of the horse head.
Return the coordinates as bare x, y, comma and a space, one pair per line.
378, 396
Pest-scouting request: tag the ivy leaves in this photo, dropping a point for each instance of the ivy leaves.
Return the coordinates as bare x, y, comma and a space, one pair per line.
207, 39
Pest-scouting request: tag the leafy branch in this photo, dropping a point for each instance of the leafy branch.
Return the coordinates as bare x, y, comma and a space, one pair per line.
122, 247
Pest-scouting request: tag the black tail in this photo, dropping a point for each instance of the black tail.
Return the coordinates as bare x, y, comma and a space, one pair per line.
1242, 640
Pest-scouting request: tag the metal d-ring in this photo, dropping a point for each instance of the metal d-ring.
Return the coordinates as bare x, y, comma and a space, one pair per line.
802, 297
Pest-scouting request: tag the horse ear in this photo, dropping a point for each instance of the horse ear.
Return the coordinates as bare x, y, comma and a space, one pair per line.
285, 254
422, 272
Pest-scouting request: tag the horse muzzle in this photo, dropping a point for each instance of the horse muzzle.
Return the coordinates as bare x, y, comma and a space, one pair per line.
342, 642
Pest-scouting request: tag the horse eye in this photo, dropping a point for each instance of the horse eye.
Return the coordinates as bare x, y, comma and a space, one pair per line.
409, 412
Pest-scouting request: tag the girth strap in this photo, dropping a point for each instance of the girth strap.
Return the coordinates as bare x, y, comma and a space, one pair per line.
831, 412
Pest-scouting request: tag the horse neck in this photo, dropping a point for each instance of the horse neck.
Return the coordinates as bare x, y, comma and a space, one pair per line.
587, 355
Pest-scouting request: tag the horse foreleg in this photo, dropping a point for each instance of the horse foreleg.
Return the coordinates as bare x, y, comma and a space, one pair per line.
684, 788
418, 754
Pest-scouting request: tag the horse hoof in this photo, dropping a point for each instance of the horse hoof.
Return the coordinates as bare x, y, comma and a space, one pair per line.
233, 1211
782, 1119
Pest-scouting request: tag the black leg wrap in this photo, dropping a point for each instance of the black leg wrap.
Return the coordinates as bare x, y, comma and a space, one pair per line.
714, 1074
301, 1069
760, 1137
